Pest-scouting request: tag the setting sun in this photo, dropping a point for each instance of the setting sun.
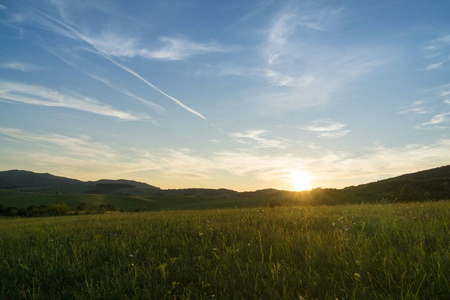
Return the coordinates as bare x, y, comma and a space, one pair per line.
300, 180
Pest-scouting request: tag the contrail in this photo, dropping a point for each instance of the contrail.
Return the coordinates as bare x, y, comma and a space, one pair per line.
85, 39
158, 108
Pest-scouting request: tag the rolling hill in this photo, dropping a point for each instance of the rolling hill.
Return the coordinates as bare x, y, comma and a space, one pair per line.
27, 179
24, 188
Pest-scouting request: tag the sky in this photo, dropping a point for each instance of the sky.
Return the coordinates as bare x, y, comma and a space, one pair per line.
243, 95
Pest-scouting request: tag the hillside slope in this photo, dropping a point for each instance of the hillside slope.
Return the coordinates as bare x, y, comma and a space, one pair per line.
20, 178
28, 179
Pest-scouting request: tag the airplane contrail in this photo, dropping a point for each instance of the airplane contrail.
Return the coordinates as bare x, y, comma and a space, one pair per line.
156, 107
124, 67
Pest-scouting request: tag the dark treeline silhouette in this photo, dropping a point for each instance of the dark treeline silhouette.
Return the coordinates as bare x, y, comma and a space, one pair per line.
54, 209
389, 191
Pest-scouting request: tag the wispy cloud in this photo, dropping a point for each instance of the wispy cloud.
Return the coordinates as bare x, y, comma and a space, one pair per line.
325, 128
288, 21
38, 95
75, 155
91, 41
115, 87
258, 136
178, 48
438, 50
416, 108
2, 6
380, 162
437, 65
80, 146
170, 48
19, 66
440, 121
299, 65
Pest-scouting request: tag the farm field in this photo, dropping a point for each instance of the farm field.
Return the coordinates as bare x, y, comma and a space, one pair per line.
389, 251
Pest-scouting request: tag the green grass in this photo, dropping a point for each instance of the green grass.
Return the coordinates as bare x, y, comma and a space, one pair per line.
386, 251
171, 202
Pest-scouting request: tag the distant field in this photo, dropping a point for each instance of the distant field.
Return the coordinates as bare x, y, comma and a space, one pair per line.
348, 252
25, 199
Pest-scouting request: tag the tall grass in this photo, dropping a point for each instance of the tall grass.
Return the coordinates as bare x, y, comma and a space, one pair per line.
397, 251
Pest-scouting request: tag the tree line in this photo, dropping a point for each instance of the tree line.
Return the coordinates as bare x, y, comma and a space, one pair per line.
54, 209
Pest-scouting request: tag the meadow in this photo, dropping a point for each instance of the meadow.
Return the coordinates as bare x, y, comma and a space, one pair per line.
128, 202
367, 251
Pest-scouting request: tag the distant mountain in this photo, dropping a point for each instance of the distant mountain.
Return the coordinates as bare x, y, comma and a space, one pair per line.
137, 184
20, 178
432, 184
441, 172
27, 179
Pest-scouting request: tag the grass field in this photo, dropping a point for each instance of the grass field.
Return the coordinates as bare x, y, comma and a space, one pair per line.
26, 199
399, 251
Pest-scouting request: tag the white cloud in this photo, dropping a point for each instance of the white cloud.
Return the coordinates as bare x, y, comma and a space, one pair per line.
302, 68
288, 21
259, 137
171, 49
318, 84
381, 162
437, 65
59, 27
324, 126
38, 95
177, 49
156, 107
19, 66
2, 6
416, 108
72, 156
327, 129
437, 121
438, 48
80, 146
333, 134
447, 101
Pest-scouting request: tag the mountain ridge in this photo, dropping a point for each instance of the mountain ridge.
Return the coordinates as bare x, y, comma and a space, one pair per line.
28, 179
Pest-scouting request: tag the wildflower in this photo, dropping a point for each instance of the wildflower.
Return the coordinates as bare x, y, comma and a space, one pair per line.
131, 255
200, 234
214, 249
357, 276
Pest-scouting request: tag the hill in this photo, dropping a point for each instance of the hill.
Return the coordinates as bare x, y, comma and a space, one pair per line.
20, 178
23, 188
136, 184
432, 184
28, 179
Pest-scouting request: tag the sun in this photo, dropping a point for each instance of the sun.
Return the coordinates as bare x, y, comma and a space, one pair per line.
300, 180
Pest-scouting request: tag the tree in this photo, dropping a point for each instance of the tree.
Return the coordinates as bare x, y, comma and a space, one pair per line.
12, 211
408, 193
83, 207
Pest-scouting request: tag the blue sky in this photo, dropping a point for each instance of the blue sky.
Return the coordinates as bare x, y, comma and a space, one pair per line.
237, 94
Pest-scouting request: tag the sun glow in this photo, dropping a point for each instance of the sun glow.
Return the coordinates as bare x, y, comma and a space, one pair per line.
300, 180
